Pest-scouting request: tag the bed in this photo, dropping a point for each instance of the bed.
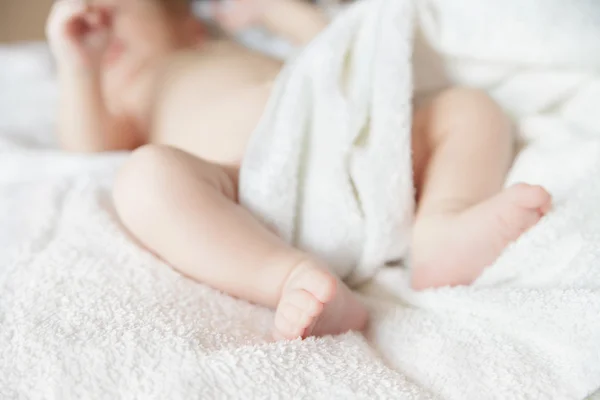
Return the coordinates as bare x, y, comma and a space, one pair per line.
87, 313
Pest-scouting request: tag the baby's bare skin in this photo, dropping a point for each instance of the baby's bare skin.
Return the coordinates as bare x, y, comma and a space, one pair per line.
209, 102
189, 105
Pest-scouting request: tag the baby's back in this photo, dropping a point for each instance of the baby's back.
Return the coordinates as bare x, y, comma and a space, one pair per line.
208, 103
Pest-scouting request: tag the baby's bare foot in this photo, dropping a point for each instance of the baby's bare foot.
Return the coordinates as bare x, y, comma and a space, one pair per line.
315, 303
454, 249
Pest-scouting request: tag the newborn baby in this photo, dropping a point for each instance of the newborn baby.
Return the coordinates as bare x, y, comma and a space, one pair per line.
143, 75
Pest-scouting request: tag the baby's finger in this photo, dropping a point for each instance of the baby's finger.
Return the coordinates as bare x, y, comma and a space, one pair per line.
76, 27
61, 13
98, 17
105, 15
92, 18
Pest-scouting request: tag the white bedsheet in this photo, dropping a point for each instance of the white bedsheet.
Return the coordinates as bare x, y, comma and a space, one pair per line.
85, 313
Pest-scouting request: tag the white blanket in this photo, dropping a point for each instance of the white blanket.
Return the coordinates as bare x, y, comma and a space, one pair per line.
329, 165
85, 313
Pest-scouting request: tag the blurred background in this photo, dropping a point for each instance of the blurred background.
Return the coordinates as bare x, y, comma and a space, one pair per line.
23, 19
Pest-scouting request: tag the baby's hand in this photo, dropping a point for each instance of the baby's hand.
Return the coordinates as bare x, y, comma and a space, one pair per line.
78, 34
237, 15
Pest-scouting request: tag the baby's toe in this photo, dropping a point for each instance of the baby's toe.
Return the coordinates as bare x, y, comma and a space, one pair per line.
287, 330
531, 197
296, 312
301, 302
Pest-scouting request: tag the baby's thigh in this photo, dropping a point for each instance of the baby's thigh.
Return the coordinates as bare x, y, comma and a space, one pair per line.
458, 112
169, 177
187, 170
176, 205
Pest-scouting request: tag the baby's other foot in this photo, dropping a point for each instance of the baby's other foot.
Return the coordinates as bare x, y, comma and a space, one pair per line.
454, 249
315, 303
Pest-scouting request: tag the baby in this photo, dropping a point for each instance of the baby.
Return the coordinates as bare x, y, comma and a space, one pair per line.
143, 75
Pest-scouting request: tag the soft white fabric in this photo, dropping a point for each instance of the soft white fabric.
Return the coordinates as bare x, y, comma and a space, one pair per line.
329, 165
85, 313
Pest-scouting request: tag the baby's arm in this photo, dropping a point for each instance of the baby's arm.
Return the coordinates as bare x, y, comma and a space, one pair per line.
85, 125
295, 20
78, 36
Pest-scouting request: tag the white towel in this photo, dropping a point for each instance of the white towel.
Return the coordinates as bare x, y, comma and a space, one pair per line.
329, 166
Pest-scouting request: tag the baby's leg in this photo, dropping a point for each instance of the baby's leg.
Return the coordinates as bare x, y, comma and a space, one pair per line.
184, 209
463, 146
